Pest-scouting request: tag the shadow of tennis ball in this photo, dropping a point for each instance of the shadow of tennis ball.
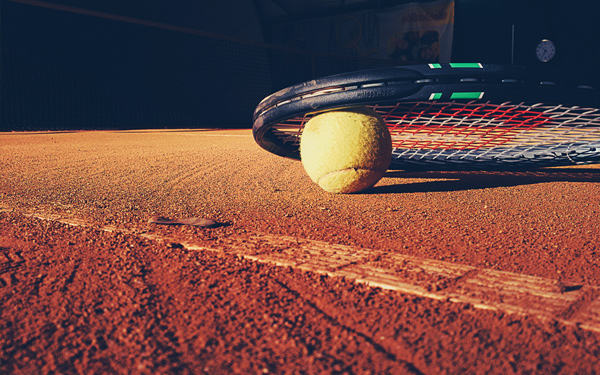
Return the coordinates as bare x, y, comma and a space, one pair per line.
346, 151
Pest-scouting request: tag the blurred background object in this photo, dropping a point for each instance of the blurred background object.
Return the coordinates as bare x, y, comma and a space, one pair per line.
123, 64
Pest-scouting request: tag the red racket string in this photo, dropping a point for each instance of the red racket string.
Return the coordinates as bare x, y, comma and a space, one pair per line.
464, 126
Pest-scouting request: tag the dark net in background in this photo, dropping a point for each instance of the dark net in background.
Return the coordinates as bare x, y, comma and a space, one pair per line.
63, 71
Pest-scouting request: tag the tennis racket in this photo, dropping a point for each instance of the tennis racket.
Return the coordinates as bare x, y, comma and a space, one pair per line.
466, 116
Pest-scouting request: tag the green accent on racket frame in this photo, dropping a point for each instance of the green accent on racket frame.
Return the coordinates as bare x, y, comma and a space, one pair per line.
467, 95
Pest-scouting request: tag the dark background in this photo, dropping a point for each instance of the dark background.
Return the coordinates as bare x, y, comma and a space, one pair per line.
124, 64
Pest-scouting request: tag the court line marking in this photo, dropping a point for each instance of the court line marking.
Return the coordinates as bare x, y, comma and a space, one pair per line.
486, 289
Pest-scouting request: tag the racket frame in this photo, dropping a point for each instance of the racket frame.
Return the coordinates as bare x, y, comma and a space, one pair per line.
430, 83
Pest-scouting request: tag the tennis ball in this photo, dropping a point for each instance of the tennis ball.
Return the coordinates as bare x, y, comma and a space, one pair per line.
346, 151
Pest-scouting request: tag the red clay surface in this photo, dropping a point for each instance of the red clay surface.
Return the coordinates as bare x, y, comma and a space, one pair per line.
79, 299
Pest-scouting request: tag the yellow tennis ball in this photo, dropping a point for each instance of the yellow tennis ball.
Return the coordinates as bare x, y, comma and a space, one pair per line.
346, 151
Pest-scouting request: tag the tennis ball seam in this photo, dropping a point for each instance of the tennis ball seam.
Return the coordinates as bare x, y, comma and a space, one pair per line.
356, 169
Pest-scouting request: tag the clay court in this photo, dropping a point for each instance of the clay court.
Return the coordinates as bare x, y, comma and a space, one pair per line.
426, 273
148, 225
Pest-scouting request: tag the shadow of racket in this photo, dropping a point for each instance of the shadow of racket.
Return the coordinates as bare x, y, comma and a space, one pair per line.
474, 180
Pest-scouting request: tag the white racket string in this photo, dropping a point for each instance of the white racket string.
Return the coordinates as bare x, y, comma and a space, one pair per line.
456, 132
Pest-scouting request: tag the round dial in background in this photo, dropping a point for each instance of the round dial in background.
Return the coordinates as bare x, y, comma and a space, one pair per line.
545, 50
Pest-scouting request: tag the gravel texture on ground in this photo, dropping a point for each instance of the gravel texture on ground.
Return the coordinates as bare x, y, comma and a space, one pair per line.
79, 299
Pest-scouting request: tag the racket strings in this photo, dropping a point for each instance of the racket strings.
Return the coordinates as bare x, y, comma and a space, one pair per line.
478, 130
445, 131
457, 126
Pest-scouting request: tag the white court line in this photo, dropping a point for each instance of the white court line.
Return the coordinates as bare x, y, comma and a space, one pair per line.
486, 289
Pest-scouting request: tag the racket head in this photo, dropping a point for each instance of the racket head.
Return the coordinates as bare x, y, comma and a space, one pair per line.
481, 106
